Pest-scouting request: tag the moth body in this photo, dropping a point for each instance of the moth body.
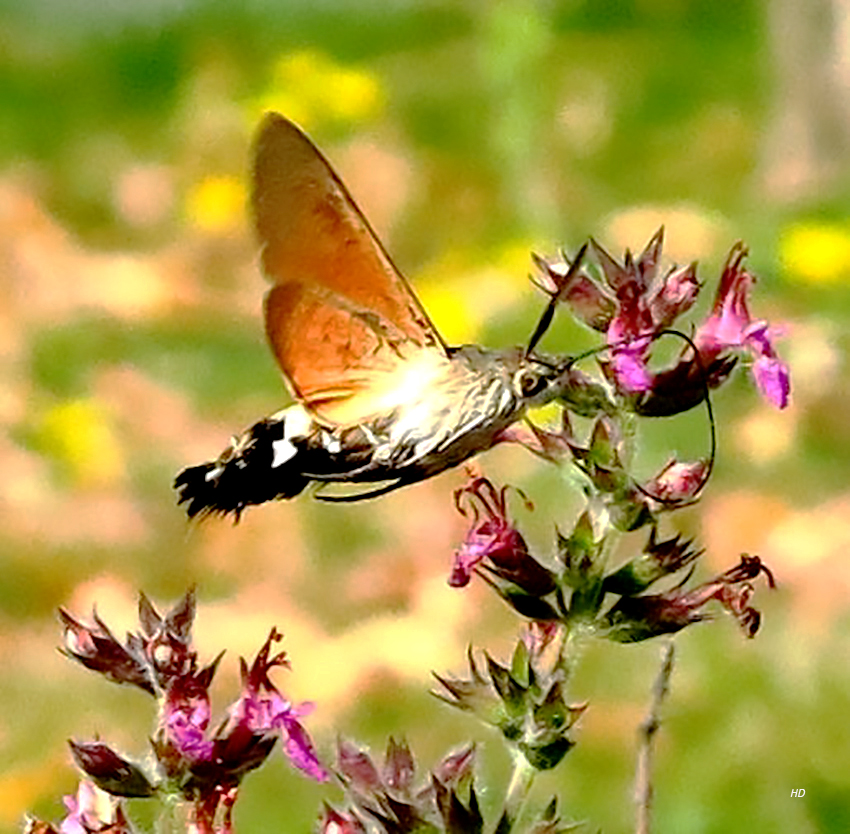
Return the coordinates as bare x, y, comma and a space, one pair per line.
438, 425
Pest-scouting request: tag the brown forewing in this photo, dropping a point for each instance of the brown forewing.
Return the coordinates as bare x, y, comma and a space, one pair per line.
340, 317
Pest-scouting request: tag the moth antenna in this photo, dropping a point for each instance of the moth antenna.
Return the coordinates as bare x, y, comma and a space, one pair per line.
555, 299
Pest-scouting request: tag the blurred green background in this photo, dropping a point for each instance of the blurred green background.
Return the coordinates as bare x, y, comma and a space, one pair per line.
471, 133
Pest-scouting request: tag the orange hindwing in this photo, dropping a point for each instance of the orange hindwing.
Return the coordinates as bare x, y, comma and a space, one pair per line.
341, 319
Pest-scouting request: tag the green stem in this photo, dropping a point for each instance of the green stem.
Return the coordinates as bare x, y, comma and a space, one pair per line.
568, 655
519, 787
171, 815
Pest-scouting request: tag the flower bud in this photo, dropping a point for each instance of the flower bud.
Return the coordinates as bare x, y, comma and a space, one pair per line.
94, 647
674, 296
357, 767
658, 559
456, 767
109, 771
678, 482
160, 651
457, 818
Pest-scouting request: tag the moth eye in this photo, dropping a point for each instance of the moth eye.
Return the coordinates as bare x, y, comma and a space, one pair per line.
528, 382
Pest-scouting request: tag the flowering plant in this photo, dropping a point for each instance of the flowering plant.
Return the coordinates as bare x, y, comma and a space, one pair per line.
191, 762
563, 601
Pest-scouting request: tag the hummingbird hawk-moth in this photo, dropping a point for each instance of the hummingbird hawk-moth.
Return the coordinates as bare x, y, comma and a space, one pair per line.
380, 398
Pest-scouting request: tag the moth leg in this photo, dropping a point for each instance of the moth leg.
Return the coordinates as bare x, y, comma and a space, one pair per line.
365, 496
342, 476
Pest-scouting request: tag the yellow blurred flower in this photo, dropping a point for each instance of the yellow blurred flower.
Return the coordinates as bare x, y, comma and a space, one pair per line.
450, 313
514, 259
445, 289
216, 204
310, 88
817, 253
78, 435
463, 289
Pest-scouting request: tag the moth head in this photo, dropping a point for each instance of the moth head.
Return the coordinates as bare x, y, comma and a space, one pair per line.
535, 380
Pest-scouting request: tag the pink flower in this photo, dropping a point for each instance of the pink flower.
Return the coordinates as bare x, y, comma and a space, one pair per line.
493, 537
261, 708
206, 765
633, 305
730, 326
187, 715
628, 364
646, 304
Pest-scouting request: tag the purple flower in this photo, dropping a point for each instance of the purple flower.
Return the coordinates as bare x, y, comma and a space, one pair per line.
730, 326
628, 364
261, 708
773, 380
633, 305
645, 306
210, 767
81, 810
493, 537
206, 766
631, 308
186, 717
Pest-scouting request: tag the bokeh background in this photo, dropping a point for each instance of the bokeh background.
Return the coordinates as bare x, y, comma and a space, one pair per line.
471, 133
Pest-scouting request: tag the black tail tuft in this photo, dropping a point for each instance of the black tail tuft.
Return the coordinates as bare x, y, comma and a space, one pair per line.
243, 475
